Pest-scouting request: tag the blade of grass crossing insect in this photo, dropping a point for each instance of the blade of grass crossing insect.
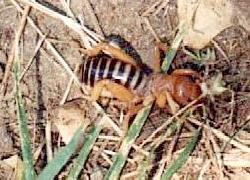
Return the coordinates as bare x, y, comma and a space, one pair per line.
29, 172
134, 130
82, 157
61, 158
182, 158
170, 55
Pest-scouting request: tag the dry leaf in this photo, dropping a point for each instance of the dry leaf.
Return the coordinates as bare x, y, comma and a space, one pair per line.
202, 20
69, 117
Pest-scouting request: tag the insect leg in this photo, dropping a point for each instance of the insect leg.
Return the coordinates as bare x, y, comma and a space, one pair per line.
118, 91
113, 51
174, 107
161, 100
157, 55
186, 72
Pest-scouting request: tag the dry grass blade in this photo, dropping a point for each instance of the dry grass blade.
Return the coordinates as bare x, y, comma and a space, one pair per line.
150, 138
12, 54
48, 141
93, 18
88, 37
151, 8
39, 44
222, 136
50, 46
66, 93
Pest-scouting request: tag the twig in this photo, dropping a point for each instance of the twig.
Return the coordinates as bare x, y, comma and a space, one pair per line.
130, 175
169, 21
232, 106
163, 4
222, 136
12, 53
48, 141
93, 17
51, 47
39, 44
204, 169
218, 156
151, 29
66, 93
114, 138
151, 9
217, 46
168, 121
88, 37
67, 8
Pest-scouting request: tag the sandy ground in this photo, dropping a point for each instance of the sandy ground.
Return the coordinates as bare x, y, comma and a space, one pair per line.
46, 81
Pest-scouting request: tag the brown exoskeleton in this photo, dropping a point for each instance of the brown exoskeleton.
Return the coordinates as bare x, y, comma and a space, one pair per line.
119, 74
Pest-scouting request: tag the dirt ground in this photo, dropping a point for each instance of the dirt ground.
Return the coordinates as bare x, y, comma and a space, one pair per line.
45, 82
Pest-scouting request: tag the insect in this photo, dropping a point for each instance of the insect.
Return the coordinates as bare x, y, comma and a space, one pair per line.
120, 75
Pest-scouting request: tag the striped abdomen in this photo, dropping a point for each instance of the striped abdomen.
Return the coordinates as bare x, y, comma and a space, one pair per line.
101, 67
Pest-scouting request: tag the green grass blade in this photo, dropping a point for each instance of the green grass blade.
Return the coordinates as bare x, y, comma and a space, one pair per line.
88, 144
182, 158
61, 158
29, 172
143, 168
170, 55
134, 130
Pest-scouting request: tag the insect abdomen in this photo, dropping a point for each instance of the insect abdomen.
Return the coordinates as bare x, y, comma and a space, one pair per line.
101, 67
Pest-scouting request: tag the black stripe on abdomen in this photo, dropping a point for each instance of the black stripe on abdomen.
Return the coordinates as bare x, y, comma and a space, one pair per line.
139, 80
85, 71
102, 67
111, 69
130, 76
93, 71
96, 69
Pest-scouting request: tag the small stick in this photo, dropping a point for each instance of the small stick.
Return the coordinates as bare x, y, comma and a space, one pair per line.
51, 47
151, 29
12, 54
169, 21
163, 4
130, 175
67, 8
217, 46
87, 35
93, 17
169, 120
151, 9
66, 93
204, 169
48, 141
222, 136
39, 44
218, 156
232, 106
